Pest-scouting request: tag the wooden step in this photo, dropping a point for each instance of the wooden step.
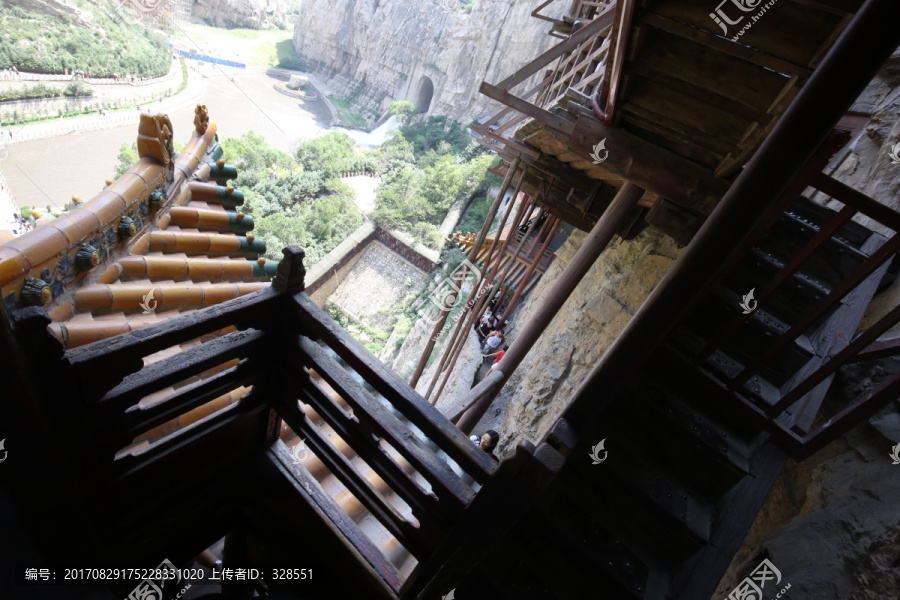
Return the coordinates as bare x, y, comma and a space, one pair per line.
756, 334
681, 435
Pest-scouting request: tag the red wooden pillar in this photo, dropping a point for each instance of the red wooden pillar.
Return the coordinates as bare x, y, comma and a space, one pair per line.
481, 396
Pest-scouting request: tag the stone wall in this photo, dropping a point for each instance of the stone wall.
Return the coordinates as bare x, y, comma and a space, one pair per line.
374, 51
379, 284
325, 276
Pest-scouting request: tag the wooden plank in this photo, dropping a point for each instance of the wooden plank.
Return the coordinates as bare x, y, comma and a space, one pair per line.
844, 193
446, 484
163, 373
692, 90
863, 407
411, 405
786, 30
425, 505
667, 139
878, 350
649, 166
103, 364
526, 108
820, 307
739, 81
621, 38
406, 533
137, 420
307, 486
719, 44
252, 406
841, 7
584, 34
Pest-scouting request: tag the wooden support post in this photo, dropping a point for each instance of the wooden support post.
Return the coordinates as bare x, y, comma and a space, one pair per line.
584, 259
483, 299
531, 267
291, 272
858, 54
460, 334
473, 253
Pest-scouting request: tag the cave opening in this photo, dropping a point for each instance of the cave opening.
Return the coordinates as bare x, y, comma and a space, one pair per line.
426, 92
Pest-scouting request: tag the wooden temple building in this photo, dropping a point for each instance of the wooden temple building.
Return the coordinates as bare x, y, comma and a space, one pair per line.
145, 427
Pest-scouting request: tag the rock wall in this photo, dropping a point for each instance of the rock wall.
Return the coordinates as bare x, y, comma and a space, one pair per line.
374, 51
588, 323
251, 14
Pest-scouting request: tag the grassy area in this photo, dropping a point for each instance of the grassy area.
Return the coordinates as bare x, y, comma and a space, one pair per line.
256, 47
50, 44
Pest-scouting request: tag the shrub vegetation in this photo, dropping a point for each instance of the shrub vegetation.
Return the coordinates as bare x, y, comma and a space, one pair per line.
51, 44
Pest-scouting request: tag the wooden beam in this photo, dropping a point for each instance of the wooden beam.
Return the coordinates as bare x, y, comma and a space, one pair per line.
876, 350
725, 46
524, 107
526, 150
614, 68
649, 166
844, 193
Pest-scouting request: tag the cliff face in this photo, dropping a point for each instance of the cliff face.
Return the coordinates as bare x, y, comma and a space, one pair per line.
252, 14
371, 52
590, 320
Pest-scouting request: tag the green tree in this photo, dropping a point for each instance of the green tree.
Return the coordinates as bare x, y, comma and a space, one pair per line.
128, 155
402, 109
329, 153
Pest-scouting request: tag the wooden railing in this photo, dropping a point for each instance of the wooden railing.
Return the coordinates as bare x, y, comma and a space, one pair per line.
795, 410
279, 344
579, 71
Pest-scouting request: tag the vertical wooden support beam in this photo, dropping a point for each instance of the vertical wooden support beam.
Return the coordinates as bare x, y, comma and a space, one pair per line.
534, 263
615, 215
473, 254
460, 333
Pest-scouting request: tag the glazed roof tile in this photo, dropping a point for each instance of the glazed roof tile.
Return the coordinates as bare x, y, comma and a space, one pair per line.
129, 257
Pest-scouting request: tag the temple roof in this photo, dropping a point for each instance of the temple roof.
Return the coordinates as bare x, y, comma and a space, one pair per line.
164, 239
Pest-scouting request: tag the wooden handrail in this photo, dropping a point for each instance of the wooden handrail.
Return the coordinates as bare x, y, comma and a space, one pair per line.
387, 383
